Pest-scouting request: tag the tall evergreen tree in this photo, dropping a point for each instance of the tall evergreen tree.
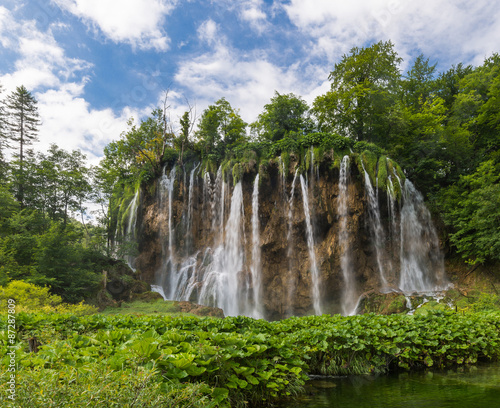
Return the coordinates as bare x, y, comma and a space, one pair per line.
22, 122
3, 142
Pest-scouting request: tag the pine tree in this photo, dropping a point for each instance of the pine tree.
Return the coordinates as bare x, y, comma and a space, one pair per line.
3, 142
22, 121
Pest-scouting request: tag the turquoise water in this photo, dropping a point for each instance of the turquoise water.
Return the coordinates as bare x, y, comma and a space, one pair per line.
472, 387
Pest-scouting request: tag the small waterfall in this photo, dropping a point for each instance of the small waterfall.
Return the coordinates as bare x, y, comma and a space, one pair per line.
349, 296
130, 230
283, 172
375, 226
310, 246
220, 280
158, 289
207, 195
290, 275
166, 194
255, 267
422, 267
391, 209
189, 226
181, 279
132, 215
170, 188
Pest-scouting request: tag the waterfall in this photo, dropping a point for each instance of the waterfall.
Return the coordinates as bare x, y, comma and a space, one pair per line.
220, 279
207, 195
290, 280
217, 206
310, 247
158, 289
206, 258
166, 188
189, 226
255, 267
422, 267
283, 172
132, 215
391, 209
375, 226
349, 296
130, 230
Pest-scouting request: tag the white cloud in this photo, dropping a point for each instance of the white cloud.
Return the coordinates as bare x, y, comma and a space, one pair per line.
452, 31
136, 22
70, 122
207, 31
248, 11
57, 82
246, 81
42, 62
251, 12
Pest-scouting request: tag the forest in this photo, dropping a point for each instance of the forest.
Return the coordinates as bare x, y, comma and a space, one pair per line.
442, 128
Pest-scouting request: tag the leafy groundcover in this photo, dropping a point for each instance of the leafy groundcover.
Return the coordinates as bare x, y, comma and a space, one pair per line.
160, 361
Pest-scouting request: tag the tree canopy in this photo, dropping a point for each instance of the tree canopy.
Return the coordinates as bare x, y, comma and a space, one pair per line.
364, 86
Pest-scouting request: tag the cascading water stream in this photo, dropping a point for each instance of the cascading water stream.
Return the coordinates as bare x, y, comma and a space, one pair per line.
422, 267
220, 284
310, 247
290, 280
130, 231
391, 208
375, 226
349, 295
167, 272
256, 253
167, 186
189, 227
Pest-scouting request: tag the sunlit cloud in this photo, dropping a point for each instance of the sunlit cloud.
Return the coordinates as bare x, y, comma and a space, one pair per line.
136, 22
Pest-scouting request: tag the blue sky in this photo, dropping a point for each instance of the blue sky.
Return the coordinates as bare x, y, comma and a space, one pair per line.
93, 64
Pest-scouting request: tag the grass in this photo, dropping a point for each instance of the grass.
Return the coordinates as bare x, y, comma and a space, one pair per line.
141, 307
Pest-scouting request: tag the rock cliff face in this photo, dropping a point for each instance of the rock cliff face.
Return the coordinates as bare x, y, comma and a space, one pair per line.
286, 244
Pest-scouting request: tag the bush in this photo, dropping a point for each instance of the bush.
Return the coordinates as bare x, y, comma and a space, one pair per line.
32, 298
28, 297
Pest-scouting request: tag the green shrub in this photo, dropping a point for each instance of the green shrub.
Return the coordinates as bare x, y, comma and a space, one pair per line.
32, 298
28, 297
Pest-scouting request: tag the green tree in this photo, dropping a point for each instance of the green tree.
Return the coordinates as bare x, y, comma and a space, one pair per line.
64, 264
18, 244
418, 84
448, 83
471, 208
65, 177
364, 87
473, 118
187, 124
220, 128
285, 114
103, 182
139, 152
22, 120
3, 142
8, 205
